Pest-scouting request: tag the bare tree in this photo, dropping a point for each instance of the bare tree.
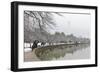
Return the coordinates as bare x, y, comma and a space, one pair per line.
41, 20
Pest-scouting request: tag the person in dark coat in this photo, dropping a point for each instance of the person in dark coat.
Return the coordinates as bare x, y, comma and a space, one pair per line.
43, 43
35, 44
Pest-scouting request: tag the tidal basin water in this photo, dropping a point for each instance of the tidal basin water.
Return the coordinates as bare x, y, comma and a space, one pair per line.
58, 52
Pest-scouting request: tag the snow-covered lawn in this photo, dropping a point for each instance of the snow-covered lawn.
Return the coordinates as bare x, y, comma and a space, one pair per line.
27, 49
27, 46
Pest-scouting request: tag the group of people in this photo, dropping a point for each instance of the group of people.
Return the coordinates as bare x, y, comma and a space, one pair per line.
37, 43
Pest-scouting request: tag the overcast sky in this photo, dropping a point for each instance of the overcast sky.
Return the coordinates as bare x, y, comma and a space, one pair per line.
77, 24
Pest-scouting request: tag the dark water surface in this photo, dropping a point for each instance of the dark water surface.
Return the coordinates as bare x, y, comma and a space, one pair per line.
63, 52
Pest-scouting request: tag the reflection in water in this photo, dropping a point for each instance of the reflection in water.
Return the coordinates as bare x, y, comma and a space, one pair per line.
58, 51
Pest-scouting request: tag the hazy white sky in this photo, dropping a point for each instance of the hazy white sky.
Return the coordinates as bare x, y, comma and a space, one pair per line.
77, 24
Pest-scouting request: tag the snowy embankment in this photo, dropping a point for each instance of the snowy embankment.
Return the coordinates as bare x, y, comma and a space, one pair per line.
27, 46
27, 49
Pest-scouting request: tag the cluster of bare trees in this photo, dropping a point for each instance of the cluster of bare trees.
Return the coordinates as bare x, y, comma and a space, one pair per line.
41, 19
36, 23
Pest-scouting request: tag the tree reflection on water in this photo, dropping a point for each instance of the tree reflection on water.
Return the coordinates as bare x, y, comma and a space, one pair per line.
57, 51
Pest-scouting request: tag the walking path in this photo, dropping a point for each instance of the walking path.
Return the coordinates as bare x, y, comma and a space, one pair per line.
30, 56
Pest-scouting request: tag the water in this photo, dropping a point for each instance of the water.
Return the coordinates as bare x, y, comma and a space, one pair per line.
79, 54
60, 52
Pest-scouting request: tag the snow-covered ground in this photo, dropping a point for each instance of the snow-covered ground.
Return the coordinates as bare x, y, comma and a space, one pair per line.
27, 46
27, 49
